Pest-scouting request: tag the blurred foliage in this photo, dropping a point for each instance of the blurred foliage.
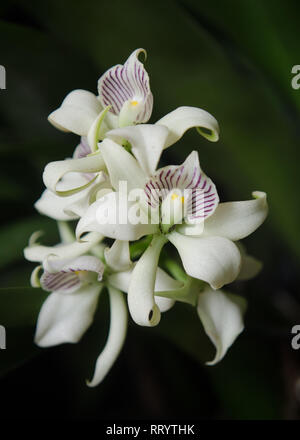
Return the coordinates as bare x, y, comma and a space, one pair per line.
232, 58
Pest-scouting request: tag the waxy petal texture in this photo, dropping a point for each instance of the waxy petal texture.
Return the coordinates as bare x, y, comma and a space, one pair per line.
184, 118
222, 317
215, 260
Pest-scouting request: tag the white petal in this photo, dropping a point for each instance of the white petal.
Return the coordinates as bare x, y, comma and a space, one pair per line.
38, 253
97, 130
222, 318
121, 165
215, 260
250, 267
184, 118
147, 143
236, 220
55, 206
116, 337
79, 206
65, 318
127, 84
163, 281
111, 218
141, 302
164, 304
35, 277
54, 171
117, 257
77, 112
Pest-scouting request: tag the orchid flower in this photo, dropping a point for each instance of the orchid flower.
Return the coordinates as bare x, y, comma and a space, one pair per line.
75, 274
123, 90
204, 235
125, 99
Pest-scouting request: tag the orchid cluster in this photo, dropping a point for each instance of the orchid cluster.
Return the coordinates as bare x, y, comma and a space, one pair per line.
113, 188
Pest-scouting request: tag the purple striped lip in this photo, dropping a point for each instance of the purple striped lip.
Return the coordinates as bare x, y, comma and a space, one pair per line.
199, 192
128, 82
80, 271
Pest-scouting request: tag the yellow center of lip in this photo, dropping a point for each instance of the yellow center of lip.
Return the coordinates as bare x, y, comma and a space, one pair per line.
134, 103
175, 196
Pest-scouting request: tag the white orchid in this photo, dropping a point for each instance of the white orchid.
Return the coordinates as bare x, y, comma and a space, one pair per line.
208, 253
75, 274
124, 99
123, 90
119, 153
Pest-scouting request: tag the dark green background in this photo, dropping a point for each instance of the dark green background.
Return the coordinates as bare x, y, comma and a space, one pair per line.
234, 59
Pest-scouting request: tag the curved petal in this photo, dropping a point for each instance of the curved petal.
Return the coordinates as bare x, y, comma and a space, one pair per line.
250, 268
127, 87
147, 143
237, 220
54, 172
184, 118
117, 257
215, 260
77, 112
97, 130
35, 276
121, 165
141, 301
222, 318
164, 304
110, 216
116, 336
65, 318
38, 253
54, 206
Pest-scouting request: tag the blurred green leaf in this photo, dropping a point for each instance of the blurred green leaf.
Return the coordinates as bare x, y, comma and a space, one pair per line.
19, 306
14, 238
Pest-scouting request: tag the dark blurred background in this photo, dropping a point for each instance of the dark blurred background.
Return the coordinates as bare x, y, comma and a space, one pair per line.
234, 59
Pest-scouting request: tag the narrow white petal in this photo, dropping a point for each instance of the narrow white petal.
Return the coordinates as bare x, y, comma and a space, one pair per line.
55, 171
65, 318
215, 260
222, 317
77, 112
97, 130
117, 257
164, 304
121, 165
35, 276
184, 118
116, 336
250, 267
38, 253
147, 143
141, 302
54, 206
237, 220
110, 216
